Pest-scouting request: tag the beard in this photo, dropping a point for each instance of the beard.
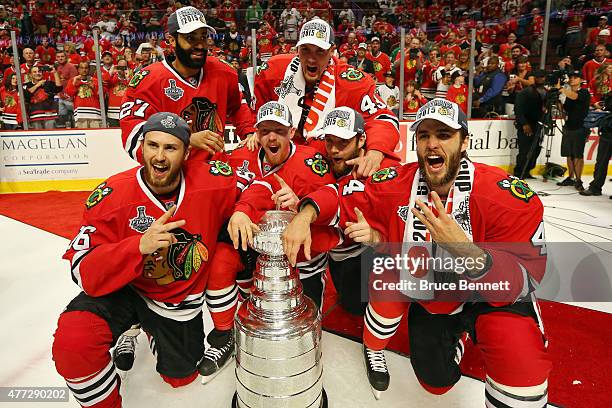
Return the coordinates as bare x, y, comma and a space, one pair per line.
340, 169
452, 168
157, 183
184, 57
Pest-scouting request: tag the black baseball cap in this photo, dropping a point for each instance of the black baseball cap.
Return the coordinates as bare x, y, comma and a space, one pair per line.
575, 73
170, 123
538, 73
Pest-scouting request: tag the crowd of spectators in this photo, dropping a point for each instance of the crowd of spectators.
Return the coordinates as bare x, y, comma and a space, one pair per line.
57, 50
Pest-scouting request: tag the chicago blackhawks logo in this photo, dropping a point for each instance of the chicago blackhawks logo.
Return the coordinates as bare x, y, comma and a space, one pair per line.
352, 74
179, 261
384, 175
141, 222
137, 78
460, 99
318, 164
219, 168
203, 115
85, 91
97, 195
518, 188
261, 68
119, 90
9, 101
377, 66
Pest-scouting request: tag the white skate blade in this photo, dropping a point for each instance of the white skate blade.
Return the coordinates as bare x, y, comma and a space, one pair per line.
208, 378
377, 393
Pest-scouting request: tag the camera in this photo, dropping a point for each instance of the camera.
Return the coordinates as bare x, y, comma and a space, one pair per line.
45, 68
413, 53
556, 76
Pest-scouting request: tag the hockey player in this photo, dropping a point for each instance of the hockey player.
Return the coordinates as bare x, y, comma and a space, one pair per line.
345, 143
199, 88
288, 171
471, 211
313, 82
142, 256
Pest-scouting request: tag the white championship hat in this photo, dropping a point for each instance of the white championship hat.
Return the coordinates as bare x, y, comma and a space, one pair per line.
443, 111
343, 122
317, 32
187, 19
275, 111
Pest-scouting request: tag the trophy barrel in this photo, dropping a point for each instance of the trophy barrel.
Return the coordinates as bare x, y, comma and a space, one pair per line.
277, 332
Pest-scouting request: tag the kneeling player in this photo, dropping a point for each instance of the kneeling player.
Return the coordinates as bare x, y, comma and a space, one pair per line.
452, 201
142, 256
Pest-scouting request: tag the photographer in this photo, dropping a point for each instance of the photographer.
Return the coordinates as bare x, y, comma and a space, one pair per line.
118, 84
576, 105
39, 95
604, 151
529, 104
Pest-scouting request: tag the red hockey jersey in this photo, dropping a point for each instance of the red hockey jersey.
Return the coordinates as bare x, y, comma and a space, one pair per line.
353, 88
496, 204
206, 104
105, 255
85, 97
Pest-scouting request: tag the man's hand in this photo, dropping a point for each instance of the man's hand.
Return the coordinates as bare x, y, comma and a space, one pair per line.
361, 231
157, 235
527, 129
444, 229
368, 164
241, 230
285, 197
250, 141
297, 234
207, 140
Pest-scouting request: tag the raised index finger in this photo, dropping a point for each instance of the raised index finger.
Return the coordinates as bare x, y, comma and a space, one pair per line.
166, 216
282, 182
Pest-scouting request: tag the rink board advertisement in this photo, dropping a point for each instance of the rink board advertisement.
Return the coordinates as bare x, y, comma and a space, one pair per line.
79, 159
59, 159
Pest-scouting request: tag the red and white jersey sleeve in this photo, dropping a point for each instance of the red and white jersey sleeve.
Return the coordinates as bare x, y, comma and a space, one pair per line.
205, 103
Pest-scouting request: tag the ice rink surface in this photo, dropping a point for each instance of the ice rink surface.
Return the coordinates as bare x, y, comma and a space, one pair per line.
35, 286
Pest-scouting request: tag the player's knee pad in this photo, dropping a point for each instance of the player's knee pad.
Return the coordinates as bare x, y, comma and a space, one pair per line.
179, 382
81, 344
379, 329
502, 396
80, 351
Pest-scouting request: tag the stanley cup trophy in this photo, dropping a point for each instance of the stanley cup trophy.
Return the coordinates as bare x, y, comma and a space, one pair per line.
278, 331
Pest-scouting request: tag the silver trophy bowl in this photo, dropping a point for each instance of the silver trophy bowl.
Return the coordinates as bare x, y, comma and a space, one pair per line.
278, 331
